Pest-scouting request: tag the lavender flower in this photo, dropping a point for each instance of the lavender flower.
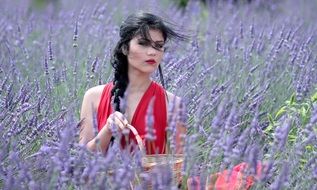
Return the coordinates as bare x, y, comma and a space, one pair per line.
229, 77
282, 179
50, 52
94, 64
75, 36
281, 133
241, 30
149, 129
218, 44
46, 66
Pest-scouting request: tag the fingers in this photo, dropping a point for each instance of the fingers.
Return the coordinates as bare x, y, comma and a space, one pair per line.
115, 120
121, 117
118, 119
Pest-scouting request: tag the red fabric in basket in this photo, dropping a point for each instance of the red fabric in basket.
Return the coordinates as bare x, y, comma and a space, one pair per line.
155, 91
221, 181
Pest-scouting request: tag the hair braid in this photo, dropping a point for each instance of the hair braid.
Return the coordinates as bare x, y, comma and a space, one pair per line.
121, 80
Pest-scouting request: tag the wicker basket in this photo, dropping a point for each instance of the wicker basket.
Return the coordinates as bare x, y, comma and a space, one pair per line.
151, 161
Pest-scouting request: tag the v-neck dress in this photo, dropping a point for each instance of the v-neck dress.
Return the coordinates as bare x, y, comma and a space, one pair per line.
138, 121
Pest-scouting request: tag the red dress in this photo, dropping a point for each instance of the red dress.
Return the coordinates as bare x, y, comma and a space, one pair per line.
138, 120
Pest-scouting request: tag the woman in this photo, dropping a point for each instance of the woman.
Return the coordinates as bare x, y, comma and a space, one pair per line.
136, 56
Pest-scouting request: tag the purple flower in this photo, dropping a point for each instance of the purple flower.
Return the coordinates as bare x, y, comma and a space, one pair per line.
149, 129
50, 52
282, 179
94, 64
281, 133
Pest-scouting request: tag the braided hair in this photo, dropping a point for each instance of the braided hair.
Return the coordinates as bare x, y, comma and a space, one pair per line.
136, 24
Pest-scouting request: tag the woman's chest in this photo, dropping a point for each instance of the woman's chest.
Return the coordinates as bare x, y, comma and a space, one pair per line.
137, 105
132, 103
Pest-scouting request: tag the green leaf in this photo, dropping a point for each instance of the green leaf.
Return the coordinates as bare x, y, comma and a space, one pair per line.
293, 110
268, 129
280, 112
303, 161
292, 100
292, 138
309, 148
314, 97
303, 112
271, 120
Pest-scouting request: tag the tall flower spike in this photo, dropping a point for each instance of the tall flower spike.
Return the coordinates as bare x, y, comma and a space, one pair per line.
241, 30
252, 33
94, 119
94, 64
149, 129
75, 37
46, 66
123, 102
218, 43
182, 115
282, 179
50, 52
281, 133
171, 129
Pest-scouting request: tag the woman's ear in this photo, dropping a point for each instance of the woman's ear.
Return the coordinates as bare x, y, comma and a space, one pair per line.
124, 49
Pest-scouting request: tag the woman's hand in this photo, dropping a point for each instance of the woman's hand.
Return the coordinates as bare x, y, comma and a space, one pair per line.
117, 121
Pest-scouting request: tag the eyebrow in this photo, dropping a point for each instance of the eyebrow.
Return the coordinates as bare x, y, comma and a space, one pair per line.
158, 41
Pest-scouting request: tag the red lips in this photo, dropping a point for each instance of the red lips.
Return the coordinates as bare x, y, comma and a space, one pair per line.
150, 61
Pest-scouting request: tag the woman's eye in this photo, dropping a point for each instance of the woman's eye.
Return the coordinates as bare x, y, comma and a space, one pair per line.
144, 43
160, 46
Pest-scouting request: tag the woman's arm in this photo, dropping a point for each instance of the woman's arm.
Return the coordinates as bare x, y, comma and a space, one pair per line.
87, 131
87, 136
101, 141
87, 114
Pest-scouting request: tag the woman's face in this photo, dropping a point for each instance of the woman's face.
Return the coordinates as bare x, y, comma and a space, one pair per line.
142, 56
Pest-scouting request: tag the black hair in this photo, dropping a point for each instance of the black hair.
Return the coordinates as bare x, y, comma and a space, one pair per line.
136, 24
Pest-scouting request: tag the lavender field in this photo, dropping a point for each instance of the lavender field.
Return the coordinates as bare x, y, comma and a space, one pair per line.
247, 75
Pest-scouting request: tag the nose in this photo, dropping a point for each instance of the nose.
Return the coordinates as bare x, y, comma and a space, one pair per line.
151, 51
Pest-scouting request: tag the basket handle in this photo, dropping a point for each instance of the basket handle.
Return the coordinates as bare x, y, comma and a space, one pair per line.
137, 137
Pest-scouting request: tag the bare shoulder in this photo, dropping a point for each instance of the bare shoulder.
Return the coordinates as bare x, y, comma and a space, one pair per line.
93, 94
95, 91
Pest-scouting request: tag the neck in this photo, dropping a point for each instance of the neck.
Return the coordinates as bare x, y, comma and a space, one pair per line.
138, 82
